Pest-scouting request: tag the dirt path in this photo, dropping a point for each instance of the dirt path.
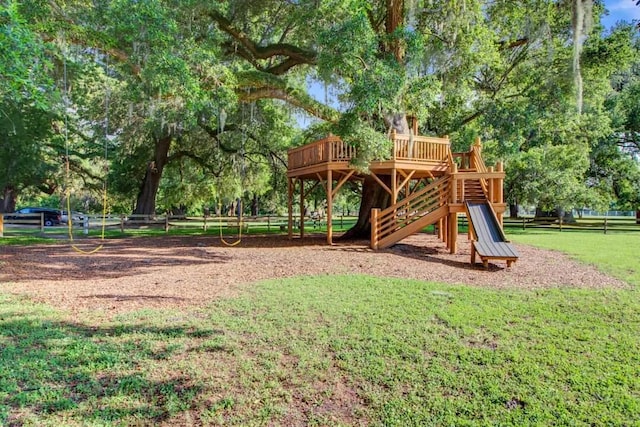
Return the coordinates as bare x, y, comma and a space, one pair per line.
130, 274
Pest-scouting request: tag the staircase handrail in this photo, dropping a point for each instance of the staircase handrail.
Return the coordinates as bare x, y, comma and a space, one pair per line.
477, 162
412, 208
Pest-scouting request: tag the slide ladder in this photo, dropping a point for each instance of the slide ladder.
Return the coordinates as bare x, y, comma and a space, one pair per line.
411, 214
489, 241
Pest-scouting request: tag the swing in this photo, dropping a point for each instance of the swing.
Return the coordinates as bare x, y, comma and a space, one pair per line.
221, 121
67, 169
239, 238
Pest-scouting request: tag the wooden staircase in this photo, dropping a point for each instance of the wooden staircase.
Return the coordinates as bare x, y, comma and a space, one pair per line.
474, 191
411, 214
423, 208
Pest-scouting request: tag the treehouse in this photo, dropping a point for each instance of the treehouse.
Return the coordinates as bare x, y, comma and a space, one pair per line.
428, 184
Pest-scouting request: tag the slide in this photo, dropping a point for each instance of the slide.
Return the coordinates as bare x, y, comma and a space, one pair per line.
489, 239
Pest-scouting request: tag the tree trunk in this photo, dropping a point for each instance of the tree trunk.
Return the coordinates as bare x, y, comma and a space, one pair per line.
638, 216
146, 203
8, 200
255, 205
513, 210
373, 195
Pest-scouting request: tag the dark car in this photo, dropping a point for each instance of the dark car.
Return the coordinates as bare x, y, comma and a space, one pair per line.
51, 216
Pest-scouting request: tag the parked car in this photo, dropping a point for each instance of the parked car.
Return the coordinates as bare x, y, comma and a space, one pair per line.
51, 216
75, 217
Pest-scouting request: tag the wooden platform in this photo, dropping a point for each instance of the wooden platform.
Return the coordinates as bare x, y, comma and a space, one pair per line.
428, 184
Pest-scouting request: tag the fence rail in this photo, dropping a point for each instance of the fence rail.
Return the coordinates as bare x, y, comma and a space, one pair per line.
13, 224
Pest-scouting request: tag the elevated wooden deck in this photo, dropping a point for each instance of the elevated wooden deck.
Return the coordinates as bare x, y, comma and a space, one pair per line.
428, 184
426, 156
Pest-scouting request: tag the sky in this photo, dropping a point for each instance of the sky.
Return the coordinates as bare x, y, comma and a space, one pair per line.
620, 10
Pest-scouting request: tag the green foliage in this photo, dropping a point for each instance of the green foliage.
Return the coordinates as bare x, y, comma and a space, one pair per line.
549, 176
23, 63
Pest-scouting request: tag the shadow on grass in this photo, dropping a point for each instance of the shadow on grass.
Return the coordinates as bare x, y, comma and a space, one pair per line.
50, 368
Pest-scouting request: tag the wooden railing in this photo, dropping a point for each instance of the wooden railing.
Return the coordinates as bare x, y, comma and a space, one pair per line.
420, 148
405, 147
329, 149
403, 219
472, 167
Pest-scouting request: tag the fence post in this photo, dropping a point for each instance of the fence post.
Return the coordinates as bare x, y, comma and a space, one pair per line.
268, 223
166, 223
524, 223
122, 223
341, 221
42, 222
560, 223
85, 225
605, 226
204, 226
374, 228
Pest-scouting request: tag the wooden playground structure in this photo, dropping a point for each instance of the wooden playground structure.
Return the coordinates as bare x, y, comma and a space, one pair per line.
429, 184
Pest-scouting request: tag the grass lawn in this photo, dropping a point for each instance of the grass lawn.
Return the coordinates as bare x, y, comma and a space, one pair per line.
338, 350
615, 253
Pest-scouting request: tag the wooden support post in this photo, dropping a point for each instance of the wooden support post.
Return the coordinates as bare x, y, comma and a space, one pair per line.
440, 228
500, 184
394, 186
491, 189
329, 207
453, 197
393, 141
473, 254
290, 208
374, 228
445, 230
453, 233
301, 208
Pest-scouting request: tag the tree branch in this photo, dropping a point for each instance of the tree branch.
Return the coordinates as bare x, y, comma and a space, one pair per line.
252, 51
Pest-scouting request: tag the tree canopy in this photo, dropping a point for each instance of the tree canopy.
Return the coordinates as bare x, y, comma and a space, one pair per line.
191, 104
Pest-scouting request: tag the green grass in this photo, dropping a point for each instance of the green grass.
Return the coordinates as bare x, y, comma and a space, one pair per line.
617, 254
342, 350
332, 351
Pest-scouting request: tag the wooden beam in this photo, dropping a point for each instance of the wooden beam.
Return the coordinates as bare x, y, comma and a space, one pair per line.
341, 182
382, 184
301, 208
453, 233
406, 180
315, 184
394, 186
329, 207
290, 183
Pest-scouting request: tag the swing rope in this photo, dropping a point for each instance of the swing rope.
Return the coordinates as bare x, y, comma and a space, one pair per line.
67, 167
239, 207
239, 238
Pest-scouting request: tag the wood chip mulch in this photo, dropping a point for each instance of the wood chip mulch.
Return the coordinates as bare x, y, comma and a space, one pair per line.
175, 272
